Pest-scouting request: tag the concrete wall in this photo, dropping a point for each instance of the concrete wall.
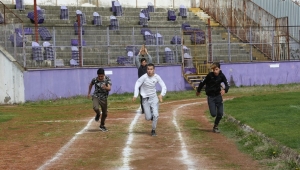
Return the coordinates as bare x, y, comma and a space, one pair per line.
107, 3
11, 80
56, 83
269, 73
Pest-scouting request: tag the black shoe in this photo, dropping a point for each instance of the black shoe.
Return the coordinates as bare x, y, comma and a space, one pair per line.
153, 133
97, 117
103, 128
216, 130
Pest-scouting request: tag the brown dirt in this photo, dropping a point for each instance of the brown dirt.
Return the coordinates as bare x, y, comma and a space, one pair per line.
103, 150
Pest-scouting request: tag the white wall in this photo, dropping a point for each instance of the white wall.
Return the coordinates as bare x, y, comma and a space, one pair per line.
107, 3
11, 80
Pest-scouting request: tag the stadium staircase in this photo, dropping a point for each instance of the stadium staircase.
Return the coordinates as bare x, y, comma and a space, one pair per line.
239, 53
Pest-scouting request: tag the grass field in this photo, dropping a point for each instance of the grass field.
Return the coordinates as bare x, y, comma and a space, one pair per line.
272, 110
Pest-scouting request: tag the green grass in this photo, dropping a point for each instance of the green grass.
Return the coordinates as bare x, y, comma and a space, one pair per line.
276, 115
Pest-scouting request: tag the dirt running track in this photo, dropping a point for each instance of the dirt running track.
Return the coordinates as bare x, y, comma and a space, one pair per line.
128, 144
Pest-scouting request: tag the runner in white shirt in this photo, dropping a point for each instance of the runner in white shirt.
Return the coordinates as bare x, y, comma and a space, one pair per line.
148, 91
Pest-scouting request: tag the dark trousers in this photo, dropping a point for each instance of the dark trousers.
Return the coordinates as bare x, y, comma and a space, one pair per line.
141, 101
103, 104
215, 104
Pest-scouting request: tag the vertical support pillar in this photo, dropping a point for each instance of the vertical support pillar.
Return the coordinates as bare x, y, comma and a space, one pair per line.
209, 41
35, 22
251, 57
229, 45
54, 45
79, 40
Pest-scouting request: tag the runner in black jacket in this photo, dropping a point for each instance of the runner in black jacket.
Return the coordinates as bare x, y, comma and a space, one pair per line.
214, 93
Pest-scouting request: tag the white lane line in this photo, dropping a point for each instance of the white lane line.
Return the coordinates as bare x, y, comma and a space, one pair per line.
59, 121
65, 147
185, 155
127, 150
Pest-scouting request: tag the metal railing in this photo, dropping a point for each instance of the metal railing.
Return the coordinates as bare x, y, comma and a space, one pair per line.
101, 46
251, 24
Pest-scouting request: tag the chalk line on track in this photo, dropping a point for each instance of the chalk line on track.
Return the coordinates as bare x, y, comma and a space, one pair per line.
185, 155
65, 147
127, 150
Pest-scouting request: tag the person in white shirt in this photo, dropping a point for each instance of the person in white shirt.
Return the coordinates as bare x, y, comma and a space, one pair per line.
147, 85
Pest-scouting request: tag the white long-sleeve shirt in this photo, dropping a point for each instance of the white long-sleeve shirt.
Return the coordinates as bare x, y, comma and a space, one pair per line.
148, 86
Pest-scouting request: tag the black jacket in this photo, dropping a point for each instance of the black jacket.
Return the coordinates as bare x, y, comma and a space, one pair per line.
142, 70
213, 84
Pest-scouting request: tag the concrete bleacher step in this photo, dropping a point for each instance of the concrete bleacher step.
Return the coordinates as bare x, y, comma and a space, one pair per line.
97, 35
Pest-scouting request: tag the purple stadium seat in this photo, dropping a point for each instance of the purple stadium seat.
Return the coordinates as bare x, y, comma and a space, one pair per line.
118, 7
73, 63
74, 42
48, 51
82, 17
182, 11
169, 56
143, 30
150, 7
187, 29
97, 19
134, 49
130, 56
27, 31
171, 15
186, 50
123, 60
150, 39
19, 39
114, 23
45, 34
75, 53
113, 8
40, 13
198, 37
176, 40
159, 39
37, 51
188, 61
64, 13
146, 13
76, 29
20, 5
143, 19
